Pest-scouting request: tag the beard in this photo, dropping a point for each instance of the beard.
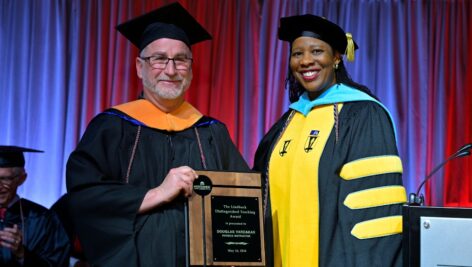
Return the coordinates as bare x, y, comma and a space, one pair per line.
166, 92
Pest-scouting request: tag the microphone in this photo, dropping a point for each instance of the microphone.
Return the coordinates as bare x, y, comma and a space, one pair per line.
417, 199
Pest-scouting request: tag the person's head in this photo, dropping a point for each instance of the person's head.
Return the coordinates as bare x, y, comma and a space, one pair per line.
10, 179
165, 68
317, 47
164, 38
12, 171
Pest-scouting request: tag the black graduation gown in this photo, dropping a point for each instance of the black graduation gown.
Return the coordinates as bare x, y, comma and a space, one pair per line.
105, 208
365, 130
45, 240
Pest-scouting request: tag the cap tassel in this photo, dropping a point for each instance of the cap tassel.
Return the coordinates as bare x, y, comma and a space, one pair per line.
350, 47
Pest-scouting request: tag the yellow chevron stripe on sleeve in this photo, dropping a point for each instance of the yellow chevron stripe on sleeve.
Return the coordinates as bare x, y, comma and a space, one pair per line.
371, 166
379, 227
374, 197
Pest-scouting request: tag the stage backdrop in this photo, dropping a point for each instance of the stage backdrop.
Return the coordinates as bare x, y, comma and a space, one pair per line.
62, 62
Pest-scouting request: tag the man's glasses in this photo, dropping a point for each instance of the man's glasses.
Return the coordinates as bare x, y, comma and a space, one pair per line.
9, 179
160, 62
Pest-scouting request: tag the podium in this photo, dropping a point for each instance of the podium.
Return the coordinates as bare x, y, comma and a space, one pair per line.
437, 236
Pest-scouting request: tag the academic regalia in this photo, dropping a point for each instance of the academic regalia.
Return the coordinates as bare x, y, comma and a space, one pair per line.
44, 240
61, 208
130, 149
104, 205
358, 179
12, 156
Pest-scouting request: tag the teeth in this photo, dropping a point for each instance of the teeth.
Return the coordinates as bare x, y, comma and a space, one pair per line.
309, 73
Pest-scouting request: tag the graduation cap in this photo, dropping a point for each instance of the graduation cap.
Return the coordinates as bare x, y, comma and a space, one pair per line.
320, 28
170, 21
12, 156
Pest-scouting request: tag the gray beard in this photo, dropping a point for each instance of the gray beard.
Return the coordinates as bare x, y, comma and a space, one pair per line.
162, 93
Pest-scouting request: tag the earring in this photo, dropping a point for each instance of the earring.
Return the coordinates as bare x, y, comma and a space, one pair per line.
336, 66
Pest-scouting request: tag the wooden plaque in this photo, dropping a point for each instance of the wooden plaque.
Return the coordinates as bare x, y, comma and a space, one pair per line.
232, 227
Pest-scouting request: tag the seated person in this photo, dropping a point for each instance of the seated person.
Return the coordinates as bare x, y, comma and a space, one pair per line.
30, 234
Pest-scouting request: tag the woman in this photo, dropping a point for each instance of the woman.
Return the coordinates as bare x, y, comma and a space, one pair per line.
333, 189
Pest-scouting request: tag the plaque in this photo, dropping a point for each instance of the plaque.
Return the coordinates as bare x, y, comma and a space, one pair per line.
225, 220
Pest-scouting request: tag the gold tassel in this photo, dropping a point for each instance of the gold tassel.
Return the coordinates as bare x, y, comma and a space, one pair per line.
350, 47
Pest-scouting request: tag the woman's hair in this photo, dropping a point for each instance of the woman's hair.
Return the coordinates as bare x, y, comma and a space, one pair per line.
295, 90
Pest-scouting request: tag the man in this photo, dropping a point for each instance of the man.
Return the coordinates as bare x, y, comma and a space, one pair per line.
30, 234
130, 175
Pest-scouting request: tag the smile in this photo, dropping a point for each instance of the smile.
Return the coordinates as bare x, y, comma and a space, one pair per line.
170, 83
309, 75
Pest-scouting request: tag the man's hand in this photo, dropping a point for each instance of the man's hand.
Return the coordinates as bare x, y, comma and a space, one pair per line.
178, 181
12, 238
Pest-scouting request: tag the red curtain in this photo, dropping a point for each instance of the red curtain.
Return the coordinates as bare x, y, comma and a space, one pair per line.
458, 174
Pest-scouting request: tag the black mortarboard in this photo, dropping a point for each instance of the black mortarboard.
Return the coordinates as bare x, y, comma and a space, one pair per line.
12, 156
170, 21
314, 26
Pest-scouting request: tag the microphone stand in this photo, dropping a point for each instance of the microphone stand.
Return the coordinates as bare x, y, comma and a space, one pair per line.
417, 199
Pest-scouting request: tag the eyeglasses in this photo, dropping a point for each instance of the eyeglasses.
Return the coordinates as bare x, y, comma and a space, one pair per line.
9, 179
160, 62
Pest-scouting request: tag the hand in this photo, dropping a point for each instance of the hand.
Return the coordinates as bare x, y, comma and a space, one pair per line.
178, 180
12, 238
